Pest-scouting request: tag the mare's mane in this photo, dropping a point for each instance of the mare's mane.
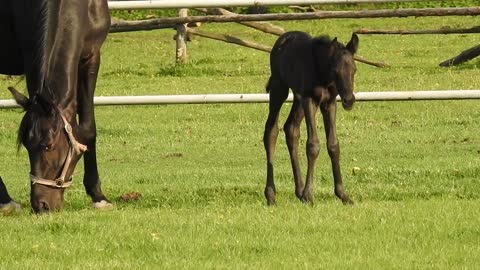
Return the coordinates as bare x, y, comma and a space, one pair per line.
36, 26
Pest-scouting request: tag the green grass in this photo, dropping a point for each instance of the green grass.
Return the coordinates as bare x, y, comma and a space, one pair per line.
201, 168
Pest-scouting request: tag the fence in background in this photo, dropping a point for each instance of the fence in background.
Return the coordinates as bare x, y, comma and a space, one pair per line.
258, 98
263, 98
158, 4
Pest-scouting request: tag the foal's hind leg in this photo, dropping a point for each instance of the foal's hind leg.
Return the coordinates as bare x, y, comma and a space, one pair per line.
292, 136
278, 95
87, 81
329, 111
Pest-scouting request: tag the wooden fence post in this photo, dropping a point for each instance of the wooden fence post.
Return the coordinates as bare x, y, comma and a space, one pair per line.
181, 38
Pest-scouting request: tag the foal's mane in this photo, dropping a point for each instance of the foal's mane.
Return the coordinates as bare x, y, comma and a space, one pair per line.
323, 40
321, 51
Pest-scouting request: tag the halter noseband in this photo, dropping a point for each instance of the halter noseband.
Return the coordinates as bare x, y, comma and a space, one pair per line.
74, 146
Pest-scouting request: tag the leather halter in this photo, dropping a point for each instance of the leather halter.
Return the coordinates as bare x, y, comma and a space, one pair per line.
76, 147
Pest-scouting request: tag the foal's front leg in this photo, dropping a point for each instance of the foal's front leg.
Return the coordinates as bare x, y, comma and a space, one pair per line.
292, 136
329, 111
310, 108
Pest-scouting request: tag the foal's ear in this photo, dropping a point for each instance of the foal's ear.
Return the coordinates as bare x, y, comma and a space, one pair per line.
333, 47
352, 45
21, 99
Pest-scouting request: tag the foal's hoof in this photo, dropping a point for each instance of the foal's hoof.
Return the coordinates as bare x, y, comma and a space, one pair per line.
344, 197
10, 207
347, 201
103, 205
271, 202
307, 198
270, 196
299, 192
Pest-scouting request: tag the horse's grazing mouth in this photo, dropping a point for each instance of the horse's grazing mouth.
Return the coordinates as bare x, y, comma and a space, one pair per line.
59, 84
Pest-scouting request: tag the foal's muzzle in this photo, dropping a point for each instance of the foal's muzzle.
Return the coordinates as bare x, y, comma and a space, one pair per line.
347, 103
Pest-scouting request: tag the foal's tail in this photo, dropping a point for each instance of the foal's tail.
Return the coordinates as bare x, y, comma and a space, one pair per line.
268, 87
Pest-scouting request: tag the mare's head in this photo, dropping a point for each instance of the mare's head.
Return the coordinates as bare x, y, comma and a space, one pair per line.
43, 132
341, 68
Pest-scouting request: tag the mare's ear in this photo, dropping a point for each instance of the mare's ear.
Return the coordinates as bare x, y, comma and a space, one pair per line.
46, 105
21, 99
352, 45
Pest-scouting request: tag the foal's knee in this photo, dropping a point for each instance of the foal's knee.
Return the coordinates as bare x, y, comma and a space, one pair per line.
291, 133
271, 131
313, 148
333, 149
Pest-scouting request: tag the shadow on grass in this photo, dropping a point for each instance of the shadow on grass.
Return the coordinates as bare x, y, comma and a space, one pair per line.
194, 198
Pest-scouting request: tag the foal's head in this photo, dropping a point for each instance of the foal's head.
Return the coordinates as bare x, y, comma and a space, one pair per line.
341, 69
52, 158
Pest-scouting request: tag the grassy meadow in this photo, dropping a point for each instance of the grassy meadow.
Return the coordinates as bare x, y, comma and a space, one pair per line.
412, 168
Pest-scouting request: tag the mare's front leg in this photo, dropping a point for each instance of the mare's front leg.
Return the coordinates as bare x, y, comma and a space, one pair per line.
6, 202
87, 81
329, 111
310, 108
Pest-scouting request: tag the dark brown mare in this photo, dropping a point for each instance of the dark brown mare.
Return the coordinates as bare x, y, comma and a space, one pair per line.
56, 44
317, 70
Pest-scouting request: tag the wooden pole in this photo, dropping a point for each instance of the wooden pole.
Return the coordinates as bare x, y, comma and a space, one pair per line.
443, 30
181, 38
462, 57
230, 39
384, 13
265, 48
368, 62
118, 25
262, 26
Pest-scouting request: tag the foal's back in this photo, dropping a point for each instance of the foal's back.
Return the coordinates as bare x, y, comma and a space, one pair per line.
292, 60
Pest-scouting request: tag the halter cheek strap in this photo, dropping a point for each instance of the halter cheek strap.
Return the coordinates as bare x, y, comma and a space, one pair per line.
78, 147
74, 146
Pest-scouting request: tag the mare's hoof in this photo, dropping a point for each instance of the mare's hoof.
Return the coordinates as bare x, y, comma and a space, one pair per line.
103, 205
10, 207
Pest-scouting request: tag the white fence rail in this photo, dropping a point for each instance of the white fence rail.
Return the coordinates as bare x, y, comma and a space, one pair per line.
158, 4
263, 98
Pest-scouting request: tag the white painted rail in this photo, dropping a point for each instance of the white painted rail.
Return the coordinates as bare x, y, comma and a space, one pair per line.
231, 3
263, 98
